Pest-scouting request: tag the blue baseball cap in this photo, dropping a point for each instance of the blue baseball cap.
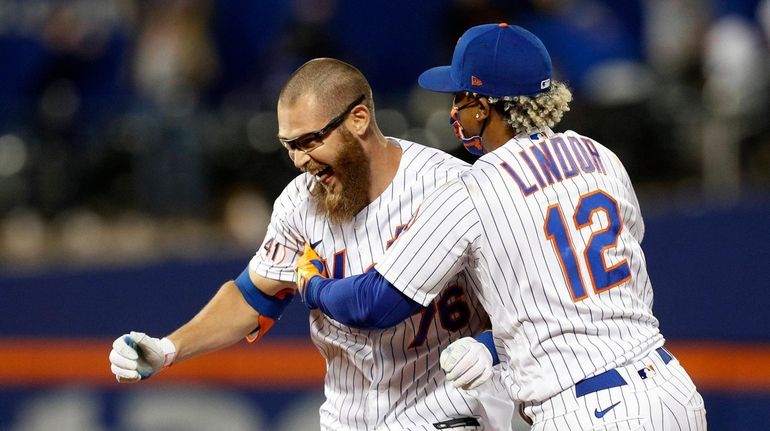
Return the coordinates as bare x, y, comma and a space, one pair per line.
495, 60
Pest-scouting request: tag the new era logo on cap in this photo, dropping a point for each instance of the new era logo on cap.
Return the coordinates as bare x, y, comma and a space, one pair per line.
476, 82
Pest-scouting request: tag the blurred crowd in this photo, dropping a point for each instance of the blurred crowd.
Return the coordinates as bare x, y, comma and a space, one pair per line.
143, 129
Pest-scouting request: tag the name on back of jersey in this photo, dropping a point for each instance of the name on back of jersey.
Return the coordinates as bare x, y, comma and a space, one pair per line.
553, 160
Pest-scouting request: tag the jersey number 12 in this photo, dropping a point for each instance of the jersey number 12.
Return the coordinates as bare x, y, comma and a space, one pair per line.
602, 277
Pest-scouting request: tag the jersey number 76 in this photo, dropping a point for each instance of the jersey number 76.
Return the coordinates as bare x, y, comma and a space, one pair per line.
556, 230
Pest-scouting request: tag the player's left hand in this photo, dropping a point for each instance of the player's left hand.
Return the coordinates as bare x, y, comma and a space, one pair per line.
467, 363
309, 265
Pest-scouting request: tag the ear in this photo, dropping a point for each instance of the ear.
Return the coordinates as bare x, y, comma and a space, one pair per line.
483, 110
359, 120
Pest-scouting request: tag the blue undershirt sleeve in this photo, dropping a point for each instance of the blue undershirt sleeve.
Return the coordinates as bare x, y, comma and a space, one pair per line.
366, 301
488, 341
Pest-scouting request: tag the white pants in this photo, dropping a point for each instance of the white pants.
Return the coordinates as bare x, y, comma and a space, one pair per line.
653, 394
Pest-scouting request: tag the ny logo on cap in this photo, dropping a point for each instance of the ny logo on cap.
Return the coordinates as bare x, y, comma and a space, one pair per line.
476, 82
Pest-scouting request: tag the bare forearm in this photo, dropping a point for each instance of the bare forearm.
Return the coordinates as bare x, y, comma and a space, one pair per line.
226, 319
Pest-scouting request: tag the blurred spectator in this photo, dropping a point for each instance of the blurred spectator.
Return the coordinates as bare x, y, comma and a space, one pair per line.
174, 65
86, 45
673, 37
174, 61
734, 67
308, 33
78, 84
736, 91
593, 50
128, 126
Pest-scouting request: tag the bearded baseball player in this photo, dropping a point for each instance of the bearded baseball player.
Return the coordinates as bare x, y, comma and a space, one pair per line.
550, 224
358, 191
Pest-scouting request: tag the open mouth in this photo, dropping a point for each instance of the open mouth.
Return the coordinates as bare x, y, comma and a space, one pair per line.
324, 175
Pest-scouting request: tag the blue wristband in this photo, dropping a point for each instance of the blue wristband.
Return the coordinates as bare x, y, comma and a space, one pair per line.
266, 305
488, 341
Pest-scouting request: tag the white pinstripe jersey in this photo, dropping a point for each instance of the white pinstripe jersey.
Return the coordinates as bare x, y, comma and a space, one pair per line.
552, 226
379, 379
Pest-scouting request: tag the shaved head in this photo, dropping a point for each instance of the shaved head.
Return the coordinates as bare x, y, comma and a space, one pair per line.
333, 83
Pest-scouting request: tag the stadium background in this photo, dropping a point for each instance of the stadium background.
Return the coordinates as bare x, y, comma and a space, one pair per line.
138, 164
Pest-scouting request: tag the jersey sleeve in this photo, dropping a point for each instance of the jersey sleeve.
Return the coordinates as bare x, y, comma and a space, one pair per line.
283, 241
433, 247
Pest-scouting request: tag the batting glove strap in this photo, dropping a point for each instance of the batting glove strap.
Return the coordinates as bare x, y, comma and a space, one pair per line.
169, 351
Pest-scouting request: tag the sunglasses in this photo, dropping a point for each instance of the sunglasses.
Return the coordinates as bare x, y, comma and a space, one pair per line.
455, 109
454, 114
308, 142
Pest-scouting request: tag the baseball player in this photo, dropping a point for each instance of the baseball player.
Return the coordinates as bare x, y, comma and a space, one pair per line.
551, 225
357, 192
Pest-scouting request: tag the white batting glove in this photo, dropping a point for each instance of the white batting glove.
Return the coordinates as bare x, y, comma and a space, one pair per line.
467, 363
137, 356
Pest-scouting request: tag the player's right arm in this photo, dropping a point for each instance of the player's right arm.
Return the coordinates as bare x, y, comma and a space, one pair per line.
244, 307
229, 316
240, 309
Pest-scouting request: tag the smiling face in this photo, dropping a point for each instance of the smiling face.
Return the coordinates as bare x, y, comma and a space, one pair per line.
339, 163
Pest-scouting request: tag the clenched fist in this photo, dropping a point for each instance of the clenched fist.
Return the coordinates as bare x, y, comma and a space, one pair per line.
137, 356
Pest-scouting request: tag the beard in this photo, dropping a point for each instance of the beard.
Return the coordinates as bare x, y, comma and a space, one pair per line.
351, 169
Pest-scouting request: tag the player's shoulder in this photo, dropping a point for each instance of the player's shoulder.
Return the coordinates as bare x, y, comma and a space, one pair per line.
296, 194
484, 166
601, 148
583, 138
420, 160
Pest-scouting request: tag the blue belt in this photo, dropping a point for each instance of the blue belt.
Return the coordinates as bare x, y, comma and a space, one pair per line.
611, 378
